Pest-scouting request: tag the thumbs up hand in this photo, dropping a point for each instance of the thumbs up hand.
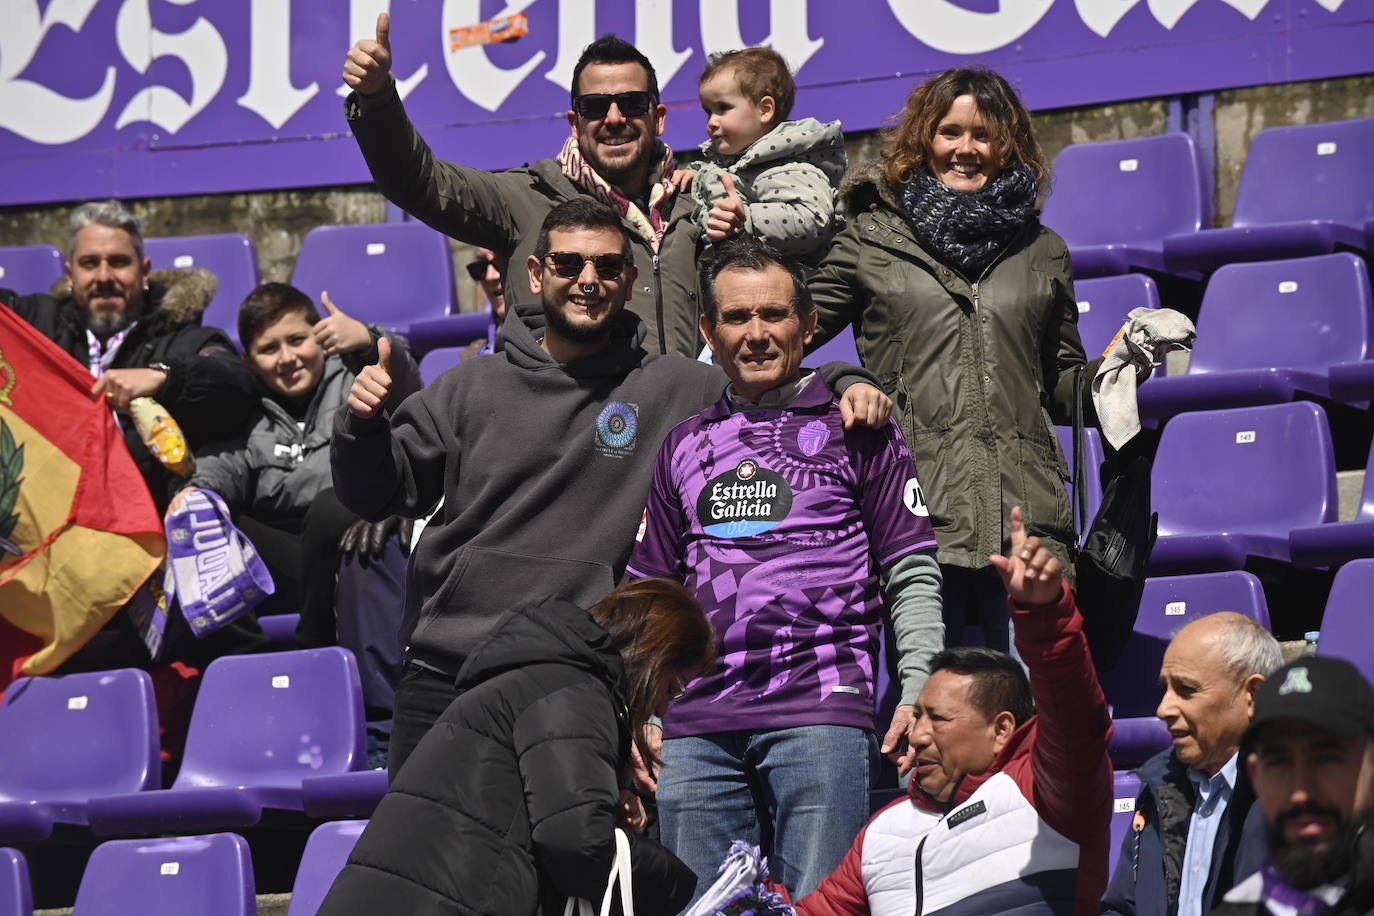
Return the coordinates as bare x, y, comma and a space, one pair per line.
372, 385
337, 333
727, 215
367, 68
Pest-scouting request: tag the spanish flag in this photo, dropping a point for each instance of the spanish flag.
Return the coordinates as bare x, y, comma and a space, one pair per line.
79, 532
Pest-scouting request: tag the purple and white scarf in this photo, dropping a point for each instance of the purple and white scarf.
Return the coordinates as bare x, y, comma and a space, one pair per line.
216, 574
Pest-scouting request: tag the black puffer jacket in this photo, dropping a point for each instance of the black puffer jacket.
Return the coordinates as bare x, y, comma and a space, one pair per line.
210, 391
507, 807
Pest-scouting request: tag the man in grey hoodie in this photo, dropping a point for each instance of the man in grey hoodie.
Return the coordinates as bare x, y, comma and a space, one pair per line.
542, 454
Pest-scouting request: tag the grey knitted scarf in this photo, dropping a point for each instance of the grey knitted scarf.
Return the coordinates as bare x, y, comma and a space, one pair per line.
968, 229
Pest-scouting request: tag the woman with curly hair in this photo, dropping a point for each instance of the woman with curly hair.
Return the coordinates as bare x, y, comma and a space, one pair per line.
962, 304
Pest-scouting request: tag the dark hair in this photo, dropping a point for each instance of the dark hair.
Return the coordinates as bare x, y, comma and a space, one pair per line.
612, 49
659, 630
906, 145
749, 253
760, 72
266, 304
582, 212
999, 682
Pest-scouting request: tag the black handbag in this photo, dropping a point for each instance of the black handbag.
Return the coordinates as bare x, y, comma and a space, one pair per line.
1115, 548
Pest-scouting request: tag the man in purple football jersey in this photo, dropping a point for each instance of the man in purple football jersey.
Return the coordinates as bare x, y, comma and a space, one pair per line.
794, 534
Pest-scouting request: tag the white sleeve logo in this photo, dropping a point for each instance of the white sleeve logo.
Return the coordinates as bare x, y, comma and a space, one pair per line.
643, 524
914, 499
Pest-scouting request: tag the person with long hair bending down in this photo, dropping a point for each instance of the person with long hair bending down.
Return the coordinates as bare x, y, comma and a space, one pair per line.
509, 804
962, 304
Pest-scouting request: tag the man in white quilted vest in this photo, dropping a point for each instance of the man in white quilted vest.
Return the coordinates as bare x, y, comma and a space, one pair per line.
1011, 790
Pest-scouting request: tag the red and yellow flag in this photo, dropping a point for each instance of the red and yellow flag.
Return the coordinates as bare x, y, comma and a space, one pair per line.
79, 532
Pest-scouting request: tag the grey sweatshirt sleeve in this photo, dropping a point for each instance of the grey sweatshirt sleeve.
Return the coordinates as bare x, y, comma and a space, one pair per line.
393, 466
223, 467
911, 591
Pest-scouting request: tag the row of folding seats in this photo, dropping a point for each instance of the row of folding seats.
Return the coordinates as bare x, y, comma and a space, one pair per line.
397, 275
208, 875
281, 732
1142, 204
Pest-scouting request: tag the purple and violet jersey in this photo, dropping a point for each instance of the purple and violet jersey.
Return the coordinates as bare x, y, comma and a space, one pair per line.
778, 520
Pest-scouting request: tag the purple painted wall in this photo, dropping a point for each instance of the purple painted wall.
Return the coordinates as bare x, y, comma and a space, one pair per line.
136, 98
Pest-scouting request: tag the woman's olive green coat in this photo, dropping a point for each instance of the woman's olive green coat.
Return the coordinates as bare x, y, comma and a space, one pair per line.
980, 368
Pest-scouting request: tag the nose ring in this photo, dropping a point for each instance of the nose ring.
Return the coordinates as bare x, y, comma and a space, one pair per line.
587, 287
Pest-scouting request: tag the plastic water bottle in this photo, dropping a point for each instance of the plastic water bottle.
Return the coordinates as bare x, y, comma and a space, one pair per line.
1311, 637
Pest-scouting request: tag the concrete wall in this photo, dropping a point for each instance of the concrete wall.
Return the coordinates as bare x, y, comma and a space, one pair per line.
277, 220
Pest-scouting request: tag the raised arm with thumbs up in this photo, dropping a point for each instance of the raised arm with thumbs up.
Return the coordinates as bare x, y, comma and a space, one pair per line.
372, 385
727, 217
367, 68
337, 332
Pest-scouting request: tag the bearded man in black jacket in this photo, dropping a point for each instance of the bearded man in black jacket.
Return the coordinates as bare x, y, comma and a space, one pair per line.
140, 335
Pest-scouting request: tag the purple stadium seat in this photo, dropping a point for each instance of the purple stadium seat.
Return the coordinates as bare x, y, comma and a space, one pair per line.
230, 257
436, 362
1345, 623
1115, 202
1305, 190
261, 724
1351, 382
1092, 446
390, 274
30, 268
1169, 602
280, 630
353, 794
15, 897
1232, 484
451, 331
1125, 788
70, 739
1104, 303
326, 853
839, 348
1327, 545
205, 875
1269, 332
1132, 687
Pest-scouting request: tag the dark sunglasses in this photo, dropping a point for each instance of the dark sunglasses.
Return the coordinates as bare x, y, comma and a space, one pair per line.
568, 264
478, 269
594, 105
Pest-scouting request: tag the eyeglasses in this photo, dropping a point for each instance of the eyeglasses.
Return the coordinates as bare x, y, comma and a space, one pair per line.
478, 269
594, 105
568, 264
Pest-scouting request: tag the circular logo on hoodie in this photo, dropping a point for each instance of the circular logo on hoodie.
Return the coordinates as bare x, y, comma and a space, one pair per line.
747, 499
617, 425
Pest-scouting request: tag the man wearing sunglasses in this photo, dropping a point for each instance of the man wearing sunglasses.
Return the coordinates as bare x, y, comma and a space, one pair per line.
542, 454
613, 155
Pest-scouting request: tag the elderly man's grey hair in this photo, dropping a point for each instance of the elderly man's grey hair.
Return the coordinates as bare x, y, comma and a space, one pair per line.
110, 213
1248, 648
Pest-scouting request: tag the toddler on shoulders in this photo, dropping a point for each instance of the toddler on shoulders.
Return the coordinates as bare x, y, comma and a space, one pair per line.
762, 174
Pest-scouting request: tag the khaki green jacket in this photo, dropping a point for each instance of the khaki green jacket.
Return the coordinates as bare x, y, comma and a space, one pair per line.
980, 368
503, 211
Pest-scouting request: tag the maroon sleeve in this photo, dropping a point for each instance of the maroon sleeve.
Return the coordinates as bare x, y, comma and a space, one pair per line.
842, 892
1071, 774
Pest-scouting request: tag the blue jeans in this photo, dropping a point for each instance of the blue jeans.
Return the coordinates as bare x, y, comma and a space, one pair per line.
801, 793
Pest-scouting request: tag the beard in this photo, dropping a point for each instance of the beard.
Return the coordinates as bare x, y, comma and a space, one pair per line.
1304, 865
622, 170
103, 326
597, 332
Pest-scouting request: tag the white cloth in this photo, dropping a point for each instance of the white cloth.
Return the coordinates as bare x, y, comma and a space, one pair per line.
1141, 344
